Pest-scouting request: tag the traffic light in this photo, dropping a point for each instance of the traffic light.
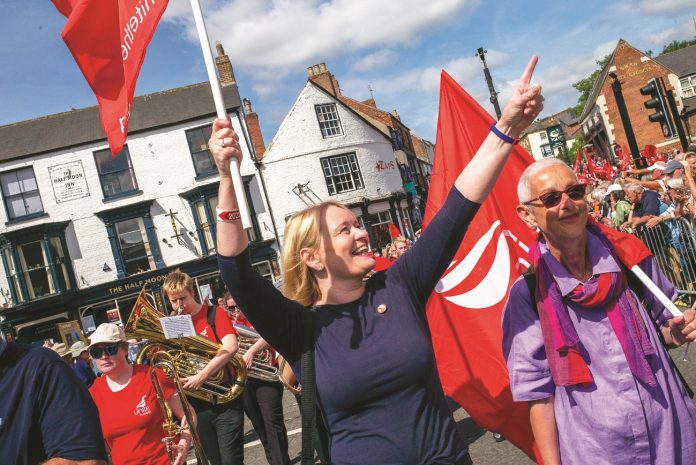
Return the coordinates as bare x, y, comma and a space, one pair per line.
657, 102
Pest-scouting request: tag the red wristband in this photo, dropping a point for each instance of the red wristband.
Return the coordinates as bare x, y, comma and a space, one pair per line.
227, 216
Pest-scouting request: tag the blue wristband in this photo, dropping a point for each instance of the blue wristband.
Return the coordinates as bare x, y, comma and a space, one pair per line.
504, 137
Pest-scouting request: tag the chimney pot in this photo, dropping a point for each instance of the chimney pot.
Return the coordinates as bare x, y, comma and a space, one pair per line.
316, 69
218, 46
310, 71
322, 67
247, 105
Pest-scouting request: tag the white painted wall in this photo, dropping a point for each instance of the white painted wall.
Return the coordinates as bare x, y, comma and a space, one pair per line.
294, 158
163, 168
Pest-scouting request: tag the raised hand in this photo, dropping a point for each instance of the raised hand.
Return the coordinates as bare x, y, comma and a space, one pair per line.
524, 105
224, 145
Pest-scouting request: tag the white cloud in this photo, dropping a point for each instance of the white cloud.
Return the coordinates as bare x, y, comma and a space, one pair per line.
379, 58
666, 6
284, 34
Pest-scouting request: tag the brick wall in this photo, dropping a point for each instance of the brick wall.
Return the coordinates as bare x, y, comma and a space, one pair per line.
634, 69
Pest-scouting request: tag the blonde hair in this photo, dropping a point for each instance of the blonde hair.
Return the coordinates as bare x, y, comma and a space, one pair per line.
177, 281
400, 239
302, 230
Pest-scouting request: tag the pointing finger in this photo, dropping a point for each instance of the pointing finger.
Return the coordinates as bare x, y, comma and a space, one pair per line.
526, 77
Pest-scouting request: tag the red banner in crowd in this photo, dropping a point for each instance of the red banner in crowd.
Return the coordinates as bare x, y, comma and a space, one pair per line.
108, 39
465, 310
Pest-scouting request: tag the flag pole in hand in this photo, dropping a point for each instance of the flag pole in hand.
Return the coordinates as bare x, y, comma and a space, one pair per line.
221, 112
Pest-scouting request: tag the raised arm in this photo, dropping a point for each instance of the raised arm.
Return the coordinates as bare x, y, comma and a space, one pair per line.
477, 179
224, 145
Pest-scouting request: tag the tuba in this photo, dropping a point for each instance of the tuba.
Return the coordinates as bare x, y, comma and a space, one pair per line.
187, 355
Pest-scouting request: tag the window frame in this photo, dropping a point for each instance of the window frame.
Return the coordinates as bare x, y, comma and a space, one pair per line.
331, 183
691, 86
204, 150
325, 123
125, 150
128, 212
22, 194
54, 261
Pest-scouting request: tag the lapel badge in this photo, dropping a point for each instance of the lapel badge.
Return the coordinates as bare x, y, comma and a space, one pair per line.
381, 308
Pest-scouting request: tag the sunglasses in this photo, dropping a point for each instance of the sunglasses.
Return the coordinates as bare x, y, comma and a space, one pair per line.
553, 198
97, 352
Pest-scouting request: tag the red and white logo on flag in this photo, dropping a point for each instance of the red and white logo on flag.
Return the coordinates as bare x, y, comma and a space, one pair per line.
464, 312
108, 39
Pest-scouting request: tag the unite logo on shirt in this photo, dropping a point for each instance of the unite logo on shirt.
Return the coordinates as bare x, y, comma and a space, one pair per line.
142, 409
205, 332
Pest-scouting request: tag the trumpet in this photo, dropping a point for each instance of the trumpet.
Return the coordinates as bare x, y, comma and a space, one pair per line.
164, 361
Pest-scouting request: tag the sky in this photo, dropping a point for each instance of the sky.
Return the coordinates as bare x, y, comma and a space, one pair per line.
396, 48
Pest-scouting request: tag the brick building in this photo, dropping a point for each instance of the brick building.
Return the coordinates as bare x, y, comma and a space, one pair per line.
601, 123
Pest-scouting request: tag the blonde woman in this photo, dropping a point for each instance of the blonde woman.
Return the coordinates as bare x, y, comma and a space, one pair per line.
376, 379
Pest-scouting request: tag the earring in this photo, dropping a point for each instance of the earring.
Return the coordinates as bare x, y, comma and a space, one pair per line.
320, 267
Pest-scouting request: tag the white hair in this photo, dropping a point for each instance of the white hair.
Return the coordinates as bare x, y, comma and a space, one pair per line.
675, 183
634, 188
524, 193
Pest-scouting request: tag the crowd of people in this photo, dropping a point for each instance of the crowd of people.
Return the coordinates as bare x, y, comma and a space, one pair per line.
646, 197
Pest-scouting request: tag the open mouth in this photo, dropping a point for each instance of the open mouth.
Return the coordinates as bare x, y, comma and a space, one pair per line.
362, 250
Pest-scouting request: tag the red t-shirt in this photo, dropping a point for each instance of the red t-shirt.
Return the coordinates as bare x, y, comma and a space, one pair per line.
241, 320
131, 418
223, 327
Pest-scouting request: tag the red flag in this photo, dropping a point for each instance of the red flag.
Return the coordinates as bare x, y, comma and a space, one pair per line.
465, 311
394, 231
381, 263
624, 158
108, 39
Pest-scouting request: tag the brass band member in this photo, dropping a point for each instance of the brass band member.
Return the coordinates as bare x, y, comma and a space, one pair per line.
263, 400
131, 418
220, 427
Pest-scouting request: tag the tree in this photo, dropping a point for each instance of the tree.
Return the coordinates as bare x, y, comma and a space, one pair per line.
676, 45
573, 149
584, 86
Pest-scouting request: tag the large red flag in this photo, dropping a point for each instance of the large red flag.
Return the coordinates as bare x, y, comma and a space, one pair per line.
108, 39
465, 311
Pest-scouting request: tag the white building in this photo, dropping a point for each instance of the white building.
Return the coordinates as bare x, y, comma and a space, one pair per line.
327, 150
81, 232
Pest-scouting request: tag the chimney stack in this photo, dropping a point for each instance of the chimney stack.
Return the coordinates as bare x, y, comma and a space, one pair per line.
254, 127
396, 115
224, 66
323, 78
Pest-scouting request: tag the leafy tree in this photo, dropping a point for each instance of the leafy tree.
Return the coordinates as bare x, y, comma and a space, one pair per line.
584, 86
676, 45
573, 149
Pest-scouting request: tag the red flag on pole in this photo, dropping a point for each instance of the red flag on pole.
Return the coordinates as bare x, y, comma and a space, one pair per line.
465, 310
394, 231
108, 41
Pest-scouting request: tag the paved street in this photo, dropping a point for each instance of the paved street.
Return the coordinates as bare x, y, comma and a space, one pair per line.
484, 450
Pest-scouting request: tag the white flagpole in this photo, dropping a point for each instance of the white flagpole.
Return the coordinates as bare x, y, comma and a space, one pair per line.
220, 108
657, 292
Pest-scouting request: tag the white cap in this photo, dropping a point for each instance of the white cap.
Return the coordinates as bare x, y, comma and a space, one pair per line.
78, 348
107, 333
613, 188
61, 349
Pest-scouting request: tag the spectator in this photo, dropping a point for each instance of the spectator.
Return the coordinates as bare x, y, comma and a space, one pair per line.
646, 204
400, 245
82, 366
63, 352
47, 415
620, 208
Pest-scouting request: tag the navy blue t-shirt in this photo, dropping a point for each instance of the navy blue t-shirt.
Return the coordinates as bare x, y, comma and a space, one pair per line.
649, 204
377, 382
45, 411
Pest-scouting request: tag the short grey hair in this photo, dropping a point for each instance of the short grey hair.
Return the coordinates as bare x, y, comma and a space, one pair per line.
524, 193
675, 183
634, 188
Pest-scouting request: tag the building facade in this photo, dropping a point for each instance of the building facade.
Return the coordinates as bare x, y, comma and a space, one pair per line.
82, 232
601, 121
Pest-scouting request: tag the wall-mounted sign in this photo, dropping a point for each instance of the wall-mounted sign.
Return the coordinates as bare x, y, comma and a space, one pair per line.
555, 135
68, 181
